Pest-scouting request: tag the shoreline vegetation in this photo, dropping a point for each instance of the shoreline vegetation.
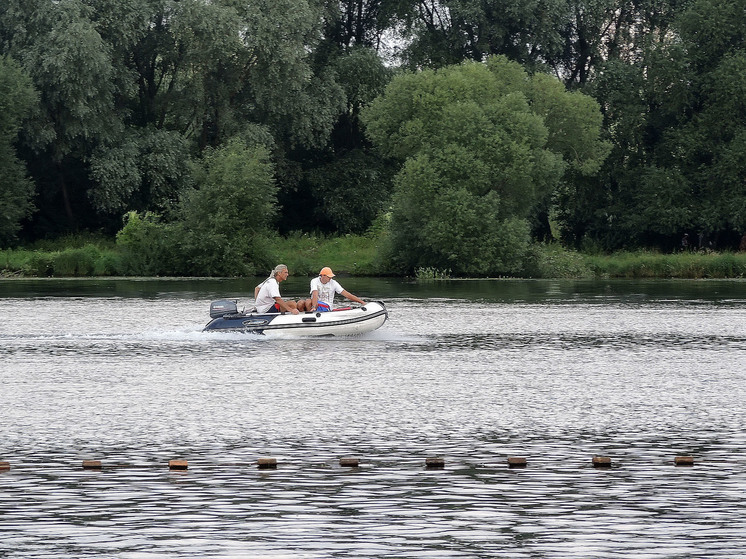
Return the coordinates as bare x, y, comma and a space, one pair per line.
359, 255
381, 139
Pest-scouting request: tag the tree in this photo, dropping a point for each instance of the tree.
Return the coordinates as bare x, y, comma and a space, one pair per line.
229, 215
235, 194
223, 222
298, 102
571, 38
17, 97
348, 183
131, 91
449, 31
481, 146
677, 121
360, 23
709, 145
71, 67
147, 171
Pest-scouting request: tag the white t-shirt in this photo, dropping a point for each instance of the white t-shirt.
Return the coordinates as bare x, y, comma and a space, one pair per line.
266, 296
326, 290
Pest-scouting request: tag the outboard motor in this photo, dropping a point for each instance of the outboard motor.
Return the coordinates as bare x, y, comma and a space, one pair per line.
221, 308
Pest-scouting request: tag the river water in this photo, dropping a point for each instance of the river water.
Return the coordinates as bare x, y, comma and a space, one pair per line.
473, 372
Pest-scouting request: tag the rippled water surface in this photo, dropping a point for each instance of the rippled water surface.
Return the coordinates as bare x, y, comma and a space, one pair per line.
470, 371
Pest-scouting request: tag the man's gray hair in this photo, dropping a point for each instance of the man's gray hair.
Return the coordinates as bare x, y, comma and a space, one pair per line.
277, 269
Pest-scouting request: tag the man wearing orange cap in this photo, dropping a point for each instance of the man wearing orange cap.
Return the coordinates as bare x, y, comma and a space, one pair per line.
323, 289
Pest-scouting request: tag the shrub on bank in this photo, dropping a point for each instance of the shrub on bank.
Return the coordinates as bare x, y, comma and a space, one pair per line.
554, 261
75, 262
430, 274
88, 260
146, 246
12, 262
149, 247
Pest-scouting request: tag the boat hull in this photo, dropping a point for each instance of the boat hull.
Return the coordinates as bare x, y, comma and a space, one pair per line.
351, 322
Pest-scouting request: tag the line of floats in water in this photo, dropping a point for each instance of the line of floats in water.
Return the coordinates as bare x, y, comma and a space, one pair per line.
269, 463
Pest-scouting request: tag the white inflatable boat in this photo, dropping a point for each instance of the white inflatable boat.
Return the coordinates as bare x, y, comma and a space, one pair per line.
348, 321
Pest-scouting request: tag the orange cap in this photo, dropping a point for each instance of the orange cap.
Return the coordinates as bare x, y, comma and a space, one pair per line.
326, 272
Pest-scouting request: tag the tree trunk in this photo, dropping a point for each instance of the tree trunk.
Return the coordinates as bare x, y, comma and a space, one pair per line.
65, 195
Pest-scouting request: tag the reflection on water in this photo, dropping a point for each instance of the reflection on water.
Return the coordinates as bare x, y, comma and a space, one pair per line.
556, 372
621, 341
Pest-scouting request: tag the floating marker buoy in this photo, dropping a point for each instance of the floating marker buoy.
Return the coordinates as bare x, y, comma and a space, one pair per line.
516, 462
4, 466
434, 462
684, 461
178, 464
601, 462
91, 464
349, 462
267, 463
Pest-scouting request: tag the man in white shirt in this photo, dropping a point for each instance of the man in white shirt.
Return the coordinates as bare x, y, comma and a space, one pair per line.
323, 289
267, 294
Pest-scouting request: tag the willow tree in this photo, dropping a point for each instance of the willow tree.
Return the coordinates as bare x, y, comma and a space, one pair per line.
481, 145
131, 92
16, 99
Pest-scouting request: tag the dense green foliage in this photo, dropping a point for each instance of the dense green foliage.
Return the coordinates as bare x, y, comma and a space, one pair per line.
149, 117
483, 146
16, 99
131, 92
222, 226
677, 120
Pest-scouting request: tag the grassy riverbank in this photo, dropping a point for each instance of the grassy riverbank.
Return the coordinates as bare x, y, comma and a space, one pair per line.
685, 265
86, 256
360, 255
